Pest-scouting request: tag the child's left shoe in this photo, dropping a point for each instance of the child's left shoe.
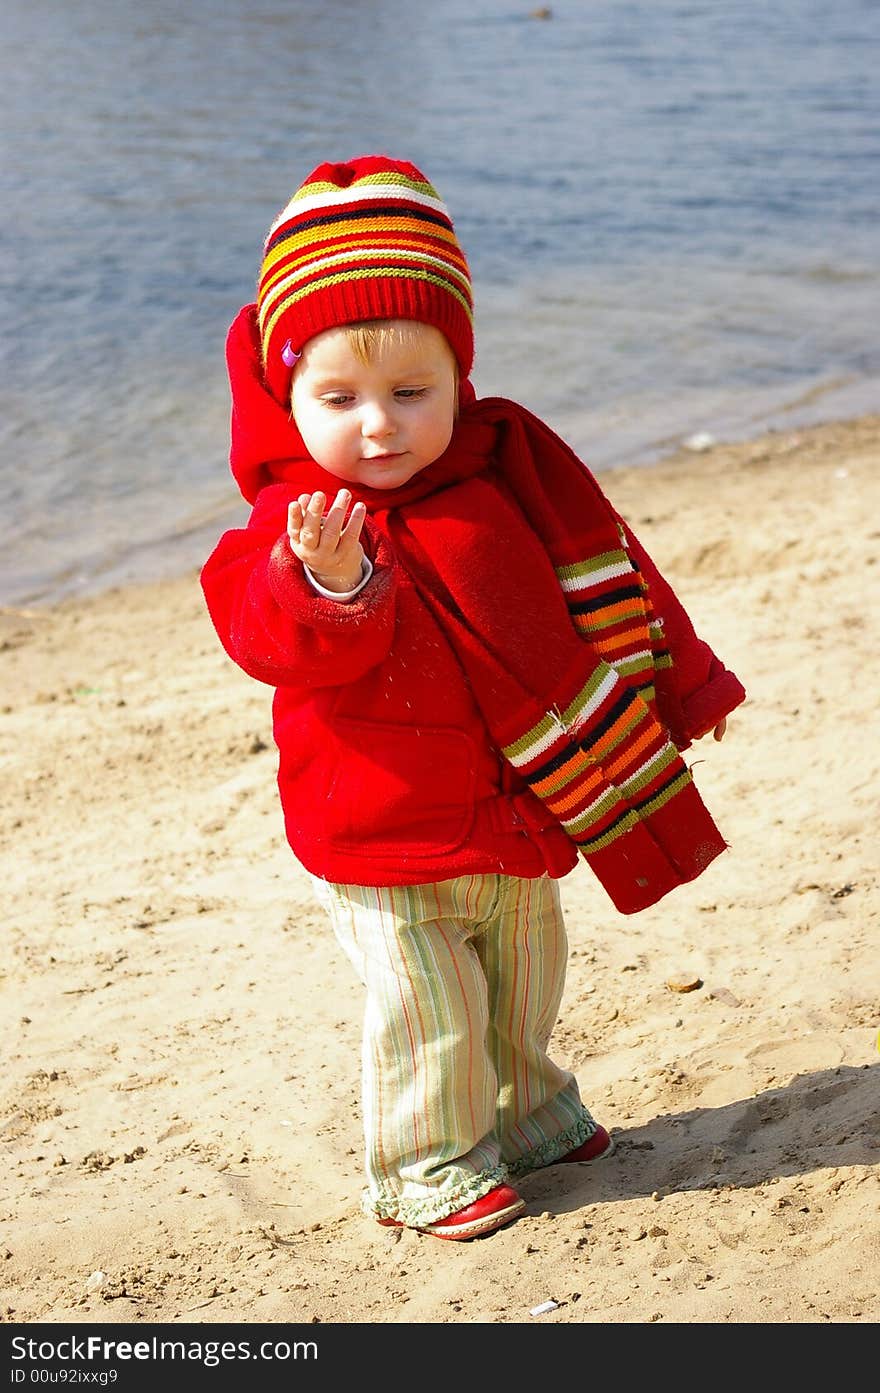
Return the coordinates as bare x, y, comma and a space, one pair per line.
485, 1215
593, 1149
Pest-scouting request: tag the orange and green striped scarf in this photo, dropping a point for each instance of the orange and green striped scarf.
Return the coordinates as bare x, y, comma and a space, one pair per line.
527, 568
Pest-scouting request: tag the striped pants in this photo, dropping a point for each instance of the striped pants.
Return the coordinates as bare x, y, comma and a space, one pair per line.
463, 984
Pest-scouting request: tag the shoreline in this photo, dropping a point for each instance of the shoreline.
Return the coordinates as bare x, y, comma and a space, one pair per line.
179, 1111
160, 560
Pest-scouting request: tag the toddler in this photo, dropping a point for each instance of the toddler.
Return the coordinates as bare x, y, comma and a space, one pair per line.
479, 674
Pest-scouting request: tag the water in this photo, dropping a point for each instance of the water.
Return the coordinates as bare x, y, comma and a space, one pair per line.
670, 209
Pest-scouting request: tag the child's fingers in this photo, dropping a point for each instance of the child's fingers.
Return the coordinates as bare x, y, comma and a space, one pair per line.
325, 542
354, 526
335, 518
310, 532
349, 552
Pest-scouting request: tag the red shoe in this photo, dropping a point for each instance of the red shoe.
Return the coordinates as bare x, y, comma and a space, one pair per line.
596, 1146
486, 1214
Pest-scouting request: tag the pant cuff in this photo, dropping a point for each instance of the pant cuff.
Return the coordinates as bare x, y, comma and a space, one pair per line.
413, 1211
554, 1147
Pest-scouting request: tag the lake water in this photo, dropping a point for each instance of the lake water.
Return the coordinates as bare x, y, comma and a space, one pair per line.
670, 209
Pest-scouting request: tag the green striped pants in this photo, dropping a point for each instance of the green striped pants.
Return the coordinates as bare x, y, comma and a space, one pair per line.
463, 984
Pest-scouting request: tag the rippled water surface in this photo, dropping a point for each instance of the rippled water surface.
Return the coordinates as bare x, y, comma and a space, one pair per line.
670, 211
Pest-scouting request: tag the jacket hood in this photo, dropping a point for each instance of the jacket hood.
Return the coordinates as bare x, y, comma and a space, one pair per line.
262, 434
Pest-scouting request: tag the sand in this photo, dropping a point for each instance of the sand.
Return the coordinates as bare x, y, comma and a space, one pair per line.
180, 1131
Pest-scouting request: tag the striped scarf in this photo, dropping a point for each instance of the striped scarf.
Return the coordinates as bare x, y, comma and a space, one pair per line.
526, 567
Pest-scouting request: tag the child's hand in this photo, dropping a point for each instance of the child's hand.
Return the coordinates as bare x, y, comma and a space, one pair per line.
331, 551
717, 733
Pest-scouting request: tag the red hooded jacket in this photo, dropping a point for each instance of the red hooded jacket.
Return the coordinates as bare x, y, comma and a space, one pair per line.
387, 774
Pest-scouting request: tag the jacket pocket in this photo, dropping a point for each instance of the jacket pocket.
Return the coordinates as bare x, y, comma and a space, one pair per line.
398, 788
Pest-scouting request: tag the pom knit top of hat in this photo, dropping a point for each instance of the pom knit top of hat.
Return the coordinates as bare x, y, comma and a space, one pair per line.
445, 712
366, 240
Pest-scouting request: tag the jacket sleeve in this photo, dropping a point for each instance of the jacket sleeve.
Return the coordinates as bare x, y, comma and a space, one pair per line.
703, 690
275, 625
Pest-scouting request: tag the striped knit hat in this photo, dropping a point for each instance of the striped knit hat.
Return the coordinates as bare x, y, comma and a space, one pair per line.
365, 240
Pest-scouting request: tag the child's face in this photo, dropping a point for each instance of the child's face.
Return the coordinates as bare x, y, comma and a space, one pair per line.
376, 423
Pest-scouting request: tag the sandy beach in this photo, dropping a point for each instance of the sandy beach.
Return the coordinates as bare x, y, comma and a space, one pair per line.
179, 1123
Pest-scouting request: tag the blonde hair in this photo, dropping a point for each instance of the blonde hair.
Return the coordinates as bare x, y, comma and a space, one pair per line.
370, 338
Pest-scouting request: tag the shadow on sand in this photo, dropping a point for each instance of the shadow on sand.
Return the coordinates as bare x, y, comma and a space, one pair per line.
817, 1121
